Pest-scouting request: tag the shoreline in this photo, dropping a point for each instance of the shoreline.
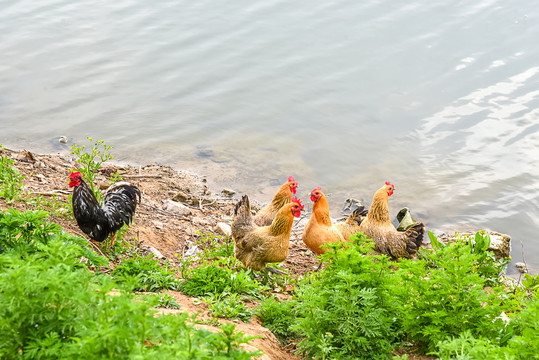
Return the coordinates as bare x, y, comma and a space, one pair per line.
203, 186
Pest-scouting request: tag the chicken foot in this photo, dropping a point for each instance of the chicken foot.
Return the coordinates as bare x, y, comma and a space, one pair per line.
275, 271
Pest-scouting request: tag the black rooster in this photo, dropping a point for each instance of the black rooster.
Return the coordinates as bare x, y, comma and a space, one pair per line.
99, 222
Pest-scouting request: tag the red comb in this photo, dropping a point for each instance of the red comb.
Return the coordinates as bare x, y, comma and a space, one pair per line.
388, 183
298, 201
76, 174
291, 178
318, 188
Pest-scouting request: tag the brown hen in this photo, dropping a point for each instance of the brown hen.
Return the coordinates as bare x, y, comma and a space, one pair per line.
255, 246
266, 215
388, 240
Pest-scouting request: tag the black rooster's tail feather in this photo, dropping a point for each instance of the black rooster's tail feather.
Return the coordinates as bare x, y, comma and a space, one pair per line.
120, 204
358, 215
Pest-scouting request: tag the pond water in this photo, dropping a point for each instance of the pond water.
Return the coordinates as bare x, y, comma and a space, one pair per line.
439, 97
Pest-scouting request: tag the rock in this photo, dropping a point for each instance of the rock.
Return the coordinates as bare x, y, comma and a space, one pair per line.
158, 224
500, 244
63, 139
223, 229
150, 249
351, 204
227, 192
521, 267
180, 197
177, 208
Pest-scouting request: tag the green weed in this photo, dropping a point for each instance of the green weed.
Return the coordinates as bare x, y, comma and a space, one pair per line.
278, 317
53, 308
11, 185
145, 274
91, 162
166, 300
229, 306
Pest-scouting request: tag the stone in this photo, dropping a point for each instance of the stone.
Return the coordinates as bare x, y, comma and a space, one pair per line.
351, 204
522, 268
227, 192
500, 244
150, 249
63, 139
180, 197
223, 229
177, 208
158, 224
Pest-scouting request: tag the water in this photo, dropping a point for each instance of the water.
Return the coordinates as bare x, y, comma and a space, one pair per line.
440, 97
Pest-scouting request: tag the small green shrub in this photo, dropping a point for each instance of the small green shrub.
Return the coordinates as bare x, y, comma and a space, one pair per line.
51, 307
347, 311
11, 185
25, 231
278, 317
229, 306
167, 301
212, 279
90, 162
145, 274
447, 299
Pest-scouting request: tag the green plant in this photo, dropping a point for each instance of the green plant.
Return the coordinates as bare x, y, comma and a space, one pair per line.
229, 306
348, 311
53, 205
145, 273
448, 298
216, 248
212, 279
167, 301
25, 231
51, 307
11, 185
278, 317
90, 162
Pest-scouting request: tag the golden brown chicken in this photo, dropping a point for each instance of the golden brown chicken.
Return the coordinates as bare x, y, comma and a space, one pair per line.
319, 230
255, 246
266, 215
388, 240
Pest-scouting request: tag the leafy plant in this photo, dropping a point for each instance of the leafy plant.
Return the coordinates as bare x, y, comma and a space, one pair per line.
167, 301
348, 311
278, 317
216, 248
145, 273
90, 162
63, 311
229, 306
448, 299
212, 279
11, 185
25, 231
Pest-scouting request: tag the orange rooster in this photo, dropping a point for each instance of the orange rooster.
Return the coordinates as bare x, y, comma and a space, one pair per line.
378, 227
319, 230
266, 215
255, 246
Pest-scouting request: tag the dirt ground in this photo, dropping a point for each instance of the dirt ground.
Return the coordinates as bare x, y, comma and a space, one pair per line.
170, 230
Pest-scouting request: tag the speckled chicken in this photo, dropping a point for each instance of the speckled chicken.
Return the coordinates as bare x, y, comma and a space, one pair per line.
266, 215
388, 240
255, 246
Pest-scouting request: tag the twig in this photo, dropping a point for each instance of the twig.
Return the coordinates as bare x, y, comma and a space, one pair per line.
143, 176
91, 243
50, 193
